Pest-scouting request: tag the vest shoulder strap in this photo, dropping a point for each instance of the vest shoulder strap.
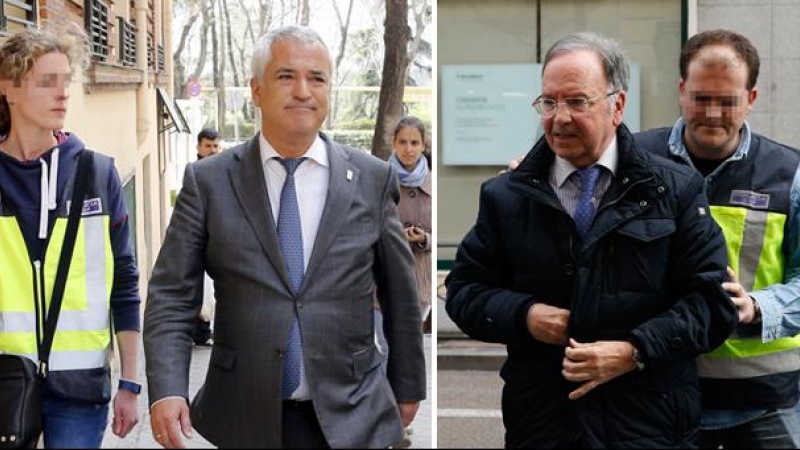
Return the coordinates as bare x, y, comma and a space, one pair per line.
98, 179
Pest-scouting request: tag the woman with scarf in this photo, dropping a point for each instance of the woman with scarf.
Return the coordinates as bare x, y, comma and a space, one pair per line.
415, 202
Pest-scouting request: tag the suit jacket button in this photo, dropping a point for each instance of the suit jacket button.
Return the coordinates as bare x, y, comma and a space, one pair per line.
279, 353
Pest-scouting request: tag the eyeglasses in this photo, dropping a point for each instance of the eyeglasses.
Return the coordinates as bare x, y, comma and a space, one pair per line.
547, 107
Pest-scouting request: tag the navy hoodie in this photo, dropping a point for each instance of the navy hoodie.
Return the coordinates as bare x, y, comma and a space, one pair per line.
21, 193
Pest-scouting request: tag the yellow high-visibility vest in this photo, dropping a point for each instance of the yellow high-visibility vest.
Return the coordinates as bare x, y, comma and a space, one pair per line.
754, 240
83, 334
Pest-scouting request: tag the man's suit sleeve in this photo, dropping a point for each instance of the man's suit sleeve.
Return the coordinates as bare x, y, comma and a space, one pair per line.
172, 304
398, 298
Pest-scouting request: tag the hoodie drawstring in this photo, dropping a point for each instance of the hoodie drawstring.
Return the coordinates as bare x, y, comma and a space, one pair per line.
48, 192
51, 193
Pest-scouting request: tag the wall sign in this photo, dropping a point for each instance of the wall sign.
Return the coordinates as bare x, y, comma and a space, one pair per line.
487, 117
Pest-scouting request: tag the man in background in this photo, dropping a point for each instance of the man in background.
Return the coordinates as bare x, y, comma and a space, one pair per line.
207, 143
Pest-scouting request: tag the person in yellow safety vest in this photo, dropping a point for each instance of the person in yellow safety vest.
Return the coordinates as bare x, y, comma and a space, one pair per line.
37, 171
750, 383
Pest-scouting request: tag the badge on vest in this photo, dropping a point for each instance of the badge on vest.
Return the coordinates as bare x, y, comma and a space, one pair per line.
752, 199
91, 206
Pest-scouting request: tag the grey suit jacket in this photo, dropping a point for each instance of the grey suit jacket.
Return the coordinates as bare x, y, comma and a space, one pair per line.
222, 223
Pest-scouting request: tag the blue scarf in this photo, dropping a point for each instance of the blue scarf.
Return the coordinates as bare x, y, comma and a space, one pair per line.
416, 177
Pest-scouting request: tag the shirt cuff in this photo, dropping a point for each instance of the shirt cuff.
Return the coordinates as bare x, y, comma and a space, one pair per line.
771, 315
166, 398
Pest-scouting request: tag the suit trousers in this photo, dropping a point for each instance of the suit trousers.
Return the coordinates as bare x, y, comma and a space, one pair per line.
300, 426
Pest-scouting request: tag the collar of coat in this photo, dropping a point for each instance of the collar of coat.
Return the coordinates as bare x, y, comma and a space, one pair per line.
633, 164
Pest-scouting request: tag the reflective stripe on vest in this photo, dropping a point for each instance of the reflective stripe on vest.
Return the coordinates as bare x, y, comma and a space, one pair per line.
757, 261
754, 240
83, 334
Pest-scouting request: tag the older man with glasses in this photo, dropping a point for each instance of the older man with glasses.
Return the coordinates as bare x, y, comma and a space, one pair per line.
600, 268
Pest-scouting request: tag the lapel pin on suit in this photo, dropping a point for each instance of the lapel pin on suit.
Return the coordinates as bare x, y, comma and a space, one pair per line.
349, 175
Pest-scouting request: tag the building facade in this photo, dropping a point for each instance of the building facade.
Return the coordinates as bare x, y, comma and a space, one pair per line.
120, 105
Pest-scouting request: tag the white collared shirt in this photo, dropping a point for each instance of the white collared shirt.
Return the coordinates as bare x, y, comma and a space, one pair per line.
568, 190
311, 182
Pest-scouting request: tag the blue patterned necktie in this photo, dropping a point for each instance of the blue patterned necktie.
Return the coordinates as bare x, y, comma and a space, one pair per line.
584, 210
291, 238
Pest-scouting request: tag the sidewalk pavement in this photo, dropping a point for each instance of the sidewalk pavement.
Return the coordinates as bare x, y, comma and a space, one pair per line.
142, 437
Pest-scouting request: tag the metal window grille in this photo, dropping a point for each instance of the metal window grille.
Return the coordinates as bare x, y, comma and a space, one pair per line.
150, 59
16, 15
162, 60
96, 18
127, 42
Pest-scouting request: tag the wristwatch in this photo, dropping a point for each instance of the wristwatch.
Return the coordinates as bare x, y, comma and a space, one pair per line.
638, 359
130, 386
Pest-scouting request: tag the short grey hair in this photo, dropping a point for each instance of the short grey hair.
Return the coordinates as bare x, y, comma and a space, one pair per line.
262, 52
615, 63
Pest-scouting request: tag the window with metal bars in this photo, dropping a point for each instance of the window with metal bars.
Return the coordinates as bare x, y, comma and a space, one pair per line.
162, 61
96, 18
127, 42
16, 15
150, 58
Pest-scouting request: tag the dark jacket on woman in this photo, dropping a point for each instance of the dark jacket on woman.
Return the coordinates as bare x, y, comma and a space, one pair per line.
648, 271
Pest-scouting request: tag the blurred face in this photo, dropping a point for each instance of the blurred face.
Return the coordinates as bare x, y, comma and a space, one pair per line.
293, 92
408, 146
40, 101
715, 102
580, 138
207, 147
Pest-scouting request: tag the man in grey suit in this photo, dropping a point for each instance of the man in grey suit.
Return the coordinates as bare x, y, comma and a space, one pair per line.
227, 221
